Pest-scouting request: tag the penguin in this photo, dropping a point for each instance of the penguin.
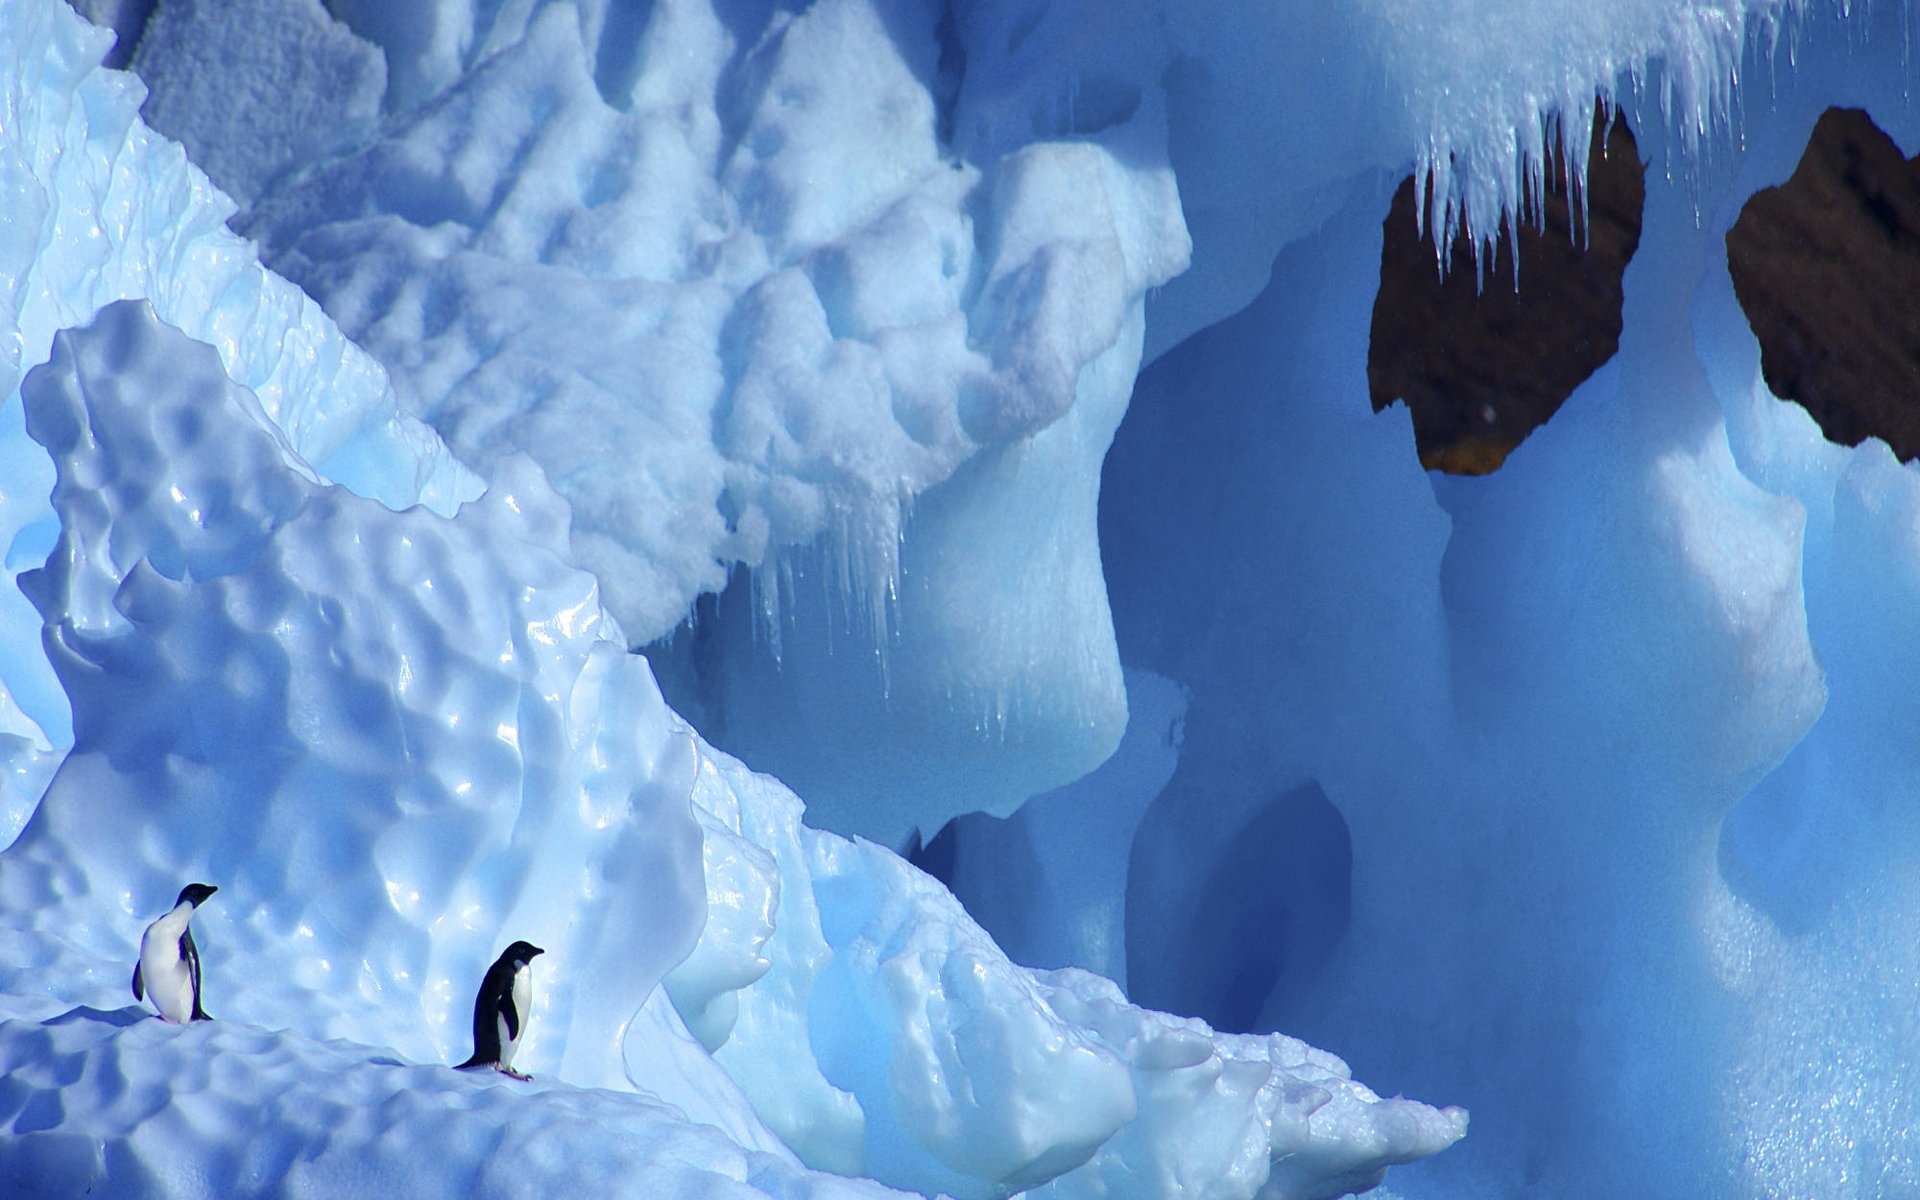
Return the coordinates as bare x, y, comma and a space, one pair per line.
169, 966
501, 1008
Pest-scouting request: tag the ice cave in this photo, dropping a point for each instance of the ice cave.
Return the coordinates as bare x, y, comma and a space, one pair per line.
1103, 599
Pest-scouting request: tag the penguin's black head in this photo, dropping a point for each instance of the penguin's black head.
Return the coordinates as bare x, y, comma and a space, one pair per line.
195, 892
521, 952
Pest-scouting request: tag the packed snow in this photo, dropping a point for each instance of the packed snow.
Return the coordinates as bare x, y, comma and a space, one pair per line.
110, 1102
964, 407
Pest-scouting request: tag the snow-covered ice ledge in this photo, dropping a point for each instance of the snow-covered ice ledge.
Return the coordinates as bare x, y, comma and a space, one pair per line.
399, 740
116, 1103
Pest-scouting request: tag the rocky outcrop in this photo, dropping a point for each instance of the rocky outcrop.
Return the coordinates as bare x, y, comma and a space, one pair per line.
1820, 265
1483, 357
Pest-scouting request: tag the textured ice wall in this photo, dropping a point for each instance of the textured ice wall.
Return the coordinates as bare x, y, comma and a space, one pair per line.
737, 247
98, 209
772, 259
854, 294
1621, 735
1818, 915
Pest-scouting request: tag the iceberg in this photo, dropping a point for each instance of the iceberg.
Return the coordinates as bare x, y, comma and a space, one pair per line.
562, 437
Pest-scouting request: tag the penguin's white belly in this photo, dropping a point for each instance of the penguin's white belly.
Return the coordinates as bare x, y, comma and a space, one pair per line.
522, 1007
164, 973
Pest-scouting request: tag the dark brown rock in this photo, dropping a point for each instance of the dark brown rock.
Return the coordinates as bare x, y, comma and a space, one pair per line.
1480, 363
1827, 268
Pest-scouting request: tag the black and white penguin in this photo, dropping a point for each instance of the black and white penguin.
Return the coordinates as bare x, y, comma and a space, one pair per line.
169, 966
501, 1009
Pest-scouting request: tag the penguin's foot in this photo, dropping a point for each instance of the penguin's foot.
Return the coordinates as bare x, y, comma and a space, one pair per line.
512, 1074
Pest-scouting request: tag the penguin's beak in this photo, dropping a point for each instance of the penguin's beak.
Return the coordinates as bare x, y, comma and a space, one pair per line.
536, 950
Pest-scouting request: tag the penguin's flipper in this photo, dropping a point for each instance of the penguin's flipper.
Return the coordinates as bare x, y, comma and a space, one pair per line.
139, 988
190, 954
510, 1015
